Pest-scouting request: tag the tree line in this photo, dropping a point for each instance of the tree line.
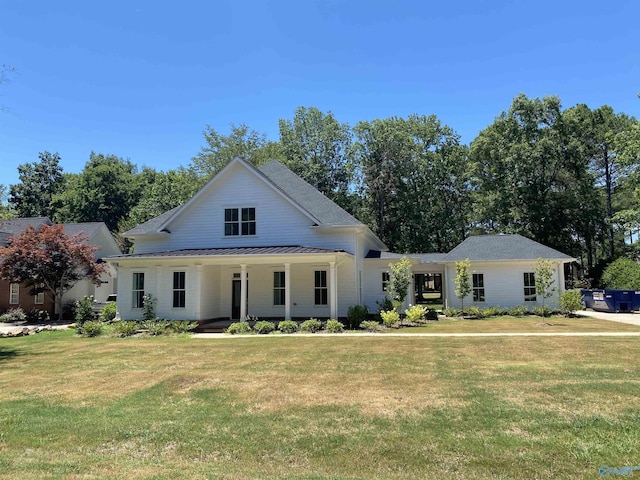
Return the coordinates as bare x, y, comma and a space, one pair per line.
567, 178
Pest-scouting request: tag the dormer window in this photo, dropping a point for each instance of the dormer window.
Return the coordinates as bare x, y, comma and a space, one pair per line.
239, 221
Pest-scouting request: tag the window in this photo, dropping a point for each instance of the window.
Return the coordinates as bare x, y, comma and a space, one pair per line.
478, 287
321, 287
14, 293
529, 287
248, 221
239, 223
179, 290
138, 289
39, 300
385, 281
278, 288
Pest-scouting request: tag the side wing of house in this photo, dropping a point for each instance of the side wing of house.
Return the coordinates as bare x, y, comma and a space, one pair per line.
252, 242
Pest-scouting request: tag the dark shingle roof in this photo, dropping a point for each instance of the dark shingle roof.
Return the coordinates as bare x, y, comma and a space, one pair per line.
200, 252
88, 229
502, 247
424, 257
151, 226
308, 197
14, 226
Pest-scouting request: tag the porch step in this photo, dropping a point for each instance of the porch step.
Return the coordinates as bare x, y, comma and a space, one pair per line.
216, 326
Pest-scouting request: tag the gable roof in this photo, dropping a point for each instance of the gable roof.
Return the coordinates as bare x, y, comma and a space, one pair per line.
88, 229
319, 208
14, 226
502, 247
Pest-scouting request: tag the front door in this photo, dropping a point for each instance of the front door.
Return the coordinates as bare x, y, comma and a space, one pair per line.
235, 299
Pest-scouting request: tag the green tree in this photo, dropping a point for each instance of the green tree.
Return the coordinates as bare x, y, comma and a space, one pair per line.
414, 174
399, 280
622, 274
106, 190
463, 281
39, 183
5, 209
220, 149
315, 146
543, 274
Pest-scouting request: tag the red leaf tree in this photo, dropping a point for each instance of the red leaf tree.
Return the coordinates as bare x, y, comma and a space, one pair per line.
48, 260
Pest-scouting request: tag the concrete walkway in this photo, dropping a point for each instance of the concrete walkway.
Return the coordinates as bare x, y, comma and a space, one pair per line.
409, 335
630, 318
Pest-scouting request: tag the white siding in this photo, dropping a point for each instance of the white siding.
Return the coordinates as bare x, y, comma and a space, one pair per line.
503, 283
278, 222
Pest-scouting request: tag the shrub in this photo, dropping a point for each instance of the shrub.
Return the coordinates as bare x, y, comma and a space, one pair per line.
542, 311
84, 311
390, 318
431, 314
570, 301
474, 311
13, 316
312, 325
356, 314
149, 307
155, 327
182, 326
239, 328
125, 328
334, 326
108, 312
492, 311
288, 326
37, 316
384, 305
622, 274
263, 327
416, 313
371, 326
91, 328
518, 311
452, 312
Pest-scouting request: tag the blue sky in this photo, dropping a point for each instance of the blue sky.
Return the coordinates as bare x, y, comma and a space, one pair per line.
142, 79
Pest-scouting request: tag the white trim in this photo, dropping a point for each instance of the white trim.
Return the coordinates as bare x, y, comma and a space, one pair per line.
14, 294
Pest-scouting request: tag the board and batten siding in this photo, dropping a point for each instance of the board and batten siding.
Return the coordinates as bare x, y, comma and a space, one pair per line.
503, 284
278, 221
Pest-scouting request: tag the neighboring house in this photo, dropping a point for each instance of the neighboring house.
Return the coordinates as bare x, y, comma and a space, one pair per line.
262, 242
14, 295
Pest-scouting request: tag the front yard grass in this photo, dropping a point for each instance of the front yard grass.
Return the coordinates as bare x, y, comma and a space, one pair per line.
528, 324
317, 407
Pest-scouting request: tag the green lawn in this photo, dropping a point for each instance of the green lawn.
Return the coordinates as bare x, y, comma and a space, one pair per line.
317, 408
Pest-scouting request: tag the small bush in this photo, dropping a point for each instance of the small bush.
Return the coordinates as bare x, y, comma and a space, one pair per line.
84, 311
182, 326
312, 325
474, 311
492, 311
263, 327
108, 312
431, 314
384, 305
371, 326
288, 326
92, 328
416, 313
37, 316
13, 316
125, 328
334, 326
239, 328
452, 312
149, 307
542, 311
518, 311
356, 314
390, 318
570, 301
155, 327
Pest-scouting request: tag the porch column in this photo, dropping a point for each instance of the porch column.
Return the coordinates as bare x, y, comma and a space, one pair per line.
158, 295
411, 294
197, 290
333, 290
287, 291
243, 292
